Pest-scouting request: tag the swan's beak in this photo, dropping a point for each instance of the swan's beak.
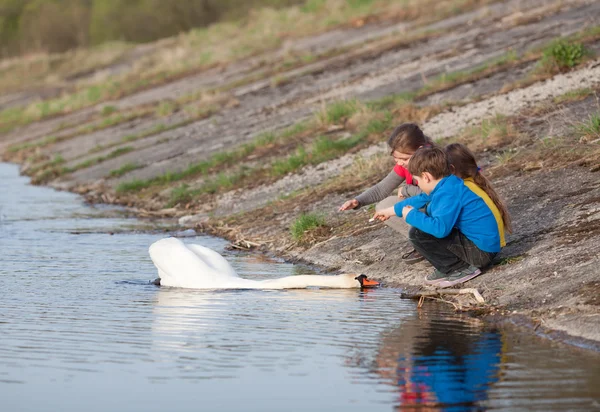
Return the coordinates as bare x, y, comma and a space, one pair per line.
366, 283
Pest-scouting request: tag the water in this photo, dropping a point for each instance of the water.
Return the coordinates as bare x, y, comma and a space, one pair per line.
81, 329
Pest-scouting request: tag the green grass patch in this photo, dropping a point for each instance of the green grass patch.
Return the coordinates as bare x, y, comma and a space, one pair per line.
321, 150
391, 101
510, 260
452, 79
133, 186
589, 128
573, 95
560, 56
96, 160
108, 110
181, 195
305, 223
166, 108
337, 111
126, 168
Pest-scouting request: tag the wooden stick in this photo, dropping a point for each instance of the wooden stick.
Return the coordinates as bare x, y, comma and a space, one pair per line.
467, 291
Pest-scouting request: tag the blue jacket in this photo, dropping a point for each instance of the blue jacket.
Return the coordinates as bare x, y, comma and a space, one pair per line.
453, 205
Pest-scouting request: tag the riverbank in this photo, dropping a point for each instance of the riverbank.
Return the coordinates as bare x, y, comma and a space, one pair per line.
243, 152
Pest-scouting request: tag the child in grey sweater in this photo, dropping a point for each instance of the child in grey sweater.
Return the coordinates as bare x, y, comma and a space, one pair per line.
403, 143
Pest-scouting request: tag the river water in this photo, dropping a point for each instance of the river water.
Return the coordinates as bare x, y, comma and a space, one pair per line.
83, 330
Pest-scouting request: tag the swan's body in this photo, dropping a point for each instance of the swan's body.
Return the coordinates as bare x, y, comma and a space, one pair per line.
197, 267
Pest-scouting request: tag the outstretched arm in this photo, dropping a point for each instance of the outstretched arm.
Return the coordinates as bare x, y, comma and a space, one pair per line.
381, 190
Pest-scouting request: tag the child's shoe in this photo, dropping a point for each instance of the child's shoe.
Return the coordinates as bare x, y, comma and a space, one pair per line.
412, 257
435, 277
459, 276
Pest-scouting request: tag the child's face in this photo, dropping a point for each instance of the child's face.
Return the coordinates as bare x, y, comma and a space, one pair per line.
401, 158
425, 182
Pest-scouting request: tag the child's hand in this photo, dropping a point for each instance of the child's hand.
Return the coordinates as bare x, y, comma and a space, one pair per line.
384, 214
405, 211
350, 204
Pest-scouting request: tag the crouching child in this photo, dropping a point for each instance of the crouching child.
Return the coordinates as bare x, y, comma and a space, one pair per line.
458, 233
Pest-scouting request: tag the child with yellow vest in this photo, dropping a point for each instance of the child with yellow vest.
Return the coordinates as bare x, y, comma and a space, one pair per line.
462, 164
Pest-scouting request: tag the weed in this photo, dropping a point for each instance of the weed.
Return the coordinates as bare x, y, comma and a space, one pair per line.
166, 108
304, 223
108, 110
337, 111
560, 56
510, 260
126, 168
589, 129
133, 186
573, 95
180, 195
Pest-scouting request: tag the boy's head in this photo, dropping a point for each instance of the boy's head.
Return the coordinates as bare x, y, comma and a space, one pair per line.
428, 166
404, 141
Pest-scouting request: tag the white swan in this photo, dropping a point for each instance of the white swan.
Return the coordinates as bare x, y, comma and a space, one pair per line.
197, 267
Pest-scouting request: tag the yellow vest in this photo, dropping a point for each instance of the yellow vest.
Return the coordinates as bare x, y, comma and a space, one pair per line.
479, 192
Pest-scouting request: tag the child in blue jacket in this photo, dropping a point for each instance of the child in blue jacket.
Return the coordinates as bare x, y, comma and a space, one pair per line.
458, 234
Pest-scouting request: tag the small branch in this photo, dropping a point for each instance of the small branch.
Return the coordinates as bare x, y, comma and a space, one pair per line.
438, 292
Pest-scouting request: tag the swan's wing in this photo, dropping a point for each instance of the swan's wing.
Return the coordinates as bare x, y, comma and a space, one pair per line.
213, 259
179, 266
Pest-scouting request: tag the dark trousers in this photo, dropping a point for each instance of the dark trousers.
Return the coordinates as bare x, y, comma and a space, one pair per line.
454, 252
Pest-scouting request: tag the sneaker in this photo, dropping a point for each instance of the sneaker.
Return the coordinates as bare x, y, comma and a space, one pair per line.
435, 277
459, 276
412, 257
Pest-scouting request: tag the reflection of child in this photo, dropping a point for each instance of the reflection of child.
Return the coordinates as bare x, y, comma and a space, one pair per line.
403, 142
458, 234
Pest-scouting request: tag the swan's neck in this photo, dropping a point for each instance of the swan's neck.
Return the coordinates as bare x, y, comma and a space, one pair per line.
303, 281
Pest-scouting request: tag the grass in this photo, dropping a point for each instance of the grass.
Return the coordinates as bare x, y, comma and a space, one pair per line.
181, 195
590, 129
51, 170
573, 95
452, 79
560, 56
126, 168
221, 159
340, 110
492, 133
261, 31
511, 260
269, 144
305, 223
166, 108
108, 110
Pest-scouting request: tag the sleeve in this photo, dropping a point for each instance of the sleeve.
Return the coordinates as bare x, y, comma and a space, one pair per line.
411, 191
443, 216
417, 202
381, 190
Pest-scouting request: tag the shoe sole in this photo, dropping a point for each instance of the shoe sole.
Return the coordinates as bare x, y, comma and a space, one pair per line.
448, 283
413, 260
434, 282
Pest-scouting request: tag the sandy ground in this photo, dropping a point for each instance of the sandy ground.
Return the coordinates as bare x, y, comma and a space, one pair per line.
552, 275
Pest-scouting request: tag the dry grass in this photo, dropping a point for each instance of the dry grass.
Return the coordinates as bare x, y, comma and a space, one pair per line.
222, 43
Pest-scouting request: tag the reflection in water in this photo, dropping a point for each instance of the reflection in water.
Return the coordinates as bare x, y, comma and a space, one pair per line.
440, 364
451, 367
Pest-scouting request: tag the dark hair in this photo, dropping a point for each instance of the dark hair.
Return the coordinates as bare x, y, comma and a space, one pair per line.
464, 165
429, 159
407, 138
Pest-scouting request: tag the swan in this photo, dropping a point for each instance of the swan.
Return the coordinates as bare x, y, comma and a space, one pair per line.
198, 267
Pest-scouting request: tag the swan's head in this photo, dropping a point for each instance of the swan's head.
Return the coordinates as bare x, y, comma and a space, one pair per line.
353, 280
365, 282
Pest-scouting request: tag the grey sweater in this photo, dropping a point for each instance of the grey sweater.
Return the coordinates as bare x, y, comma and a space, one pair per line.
384, 188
